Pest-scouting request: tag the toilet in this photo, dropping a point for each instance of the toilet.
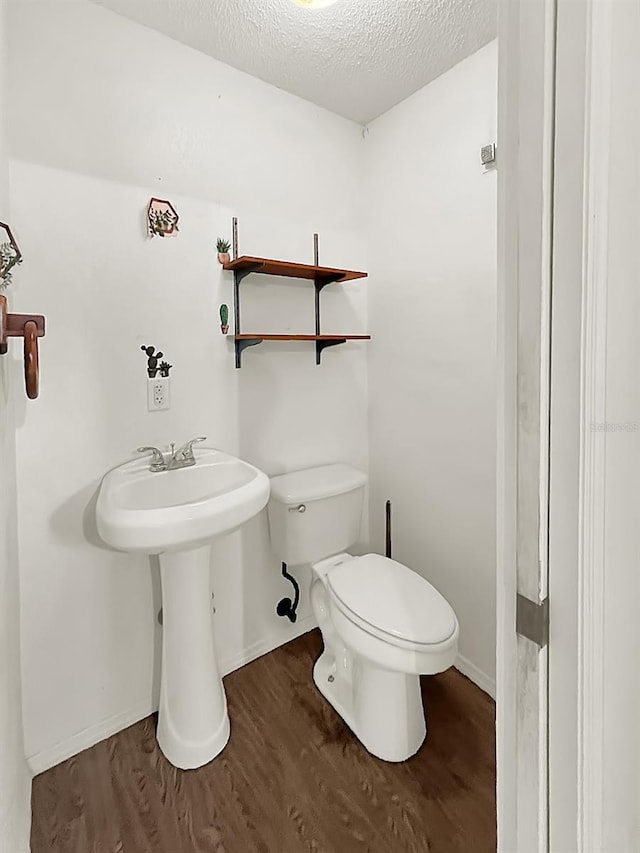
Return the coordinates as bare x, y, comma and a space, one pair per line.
383, 625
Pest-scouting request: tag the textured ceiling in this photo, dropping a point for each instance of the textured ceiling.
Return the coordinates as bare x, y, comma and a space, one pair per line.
357, 58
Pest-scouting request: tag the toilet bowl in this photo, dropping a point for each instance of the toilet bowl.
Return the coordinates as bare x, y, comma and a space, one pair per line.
382, 624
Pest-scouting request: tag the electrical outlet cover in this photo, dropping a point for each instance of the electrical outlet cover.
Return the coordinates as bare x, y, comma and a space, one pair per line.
158, 394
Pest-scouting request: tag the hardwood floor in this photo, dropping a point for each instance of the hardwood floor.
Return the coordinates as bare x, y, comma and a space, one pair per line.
293, 778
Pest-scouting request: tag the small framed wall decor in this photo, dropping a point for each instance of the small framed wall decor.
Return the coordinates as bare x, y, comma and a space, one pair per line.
162, 218
10, 255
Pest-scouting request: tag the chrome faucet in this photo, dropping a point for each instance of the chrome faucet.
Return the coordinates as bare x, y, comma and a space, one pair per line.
183, 457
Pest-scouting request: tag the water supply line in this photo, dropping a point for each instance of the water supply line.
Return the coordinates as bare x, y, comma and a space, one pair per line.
387, 550
286, 607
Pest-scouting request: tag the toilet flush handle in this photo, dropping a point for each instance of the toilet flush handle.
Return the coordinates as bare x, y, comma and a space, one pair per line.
300, 508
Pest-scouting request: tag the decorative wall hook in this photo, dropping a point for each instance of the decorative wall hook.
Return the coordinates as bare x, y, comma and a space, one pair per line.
10, 255
30, 327
162, 218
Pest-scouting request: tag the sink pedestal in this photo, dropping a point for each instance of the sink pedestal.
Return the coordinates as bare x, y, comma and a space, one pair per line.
193, 723
171, 513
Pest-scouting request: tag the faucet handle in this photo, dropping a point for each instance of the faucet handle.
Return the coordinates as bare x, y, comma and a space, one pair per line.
187, 450
157, 460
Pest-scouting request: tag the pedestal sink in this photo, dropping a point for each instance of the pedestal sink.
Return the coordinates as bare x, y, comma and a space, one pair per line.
176, 514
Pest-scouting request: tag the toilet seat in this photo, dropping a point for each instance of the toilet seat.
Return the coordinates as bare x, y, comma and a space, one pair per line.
390, 601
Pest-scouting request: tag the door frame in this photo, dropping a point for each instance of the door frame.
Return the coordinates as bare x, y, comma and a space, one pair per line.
526, 127
582, 96
591, 564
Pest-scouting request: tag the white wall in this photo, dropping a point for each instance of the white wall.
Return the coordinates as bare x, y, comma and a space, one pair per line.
432, 236
106, 113
15, 785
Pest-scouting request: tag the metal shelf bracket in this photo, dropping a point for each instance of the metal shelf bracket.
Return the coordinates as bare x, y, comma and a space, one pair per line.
322, 345
243, 345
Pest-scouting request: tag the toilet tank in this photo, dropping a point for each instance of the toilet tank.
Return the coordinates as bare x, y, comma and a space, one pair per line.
315, 513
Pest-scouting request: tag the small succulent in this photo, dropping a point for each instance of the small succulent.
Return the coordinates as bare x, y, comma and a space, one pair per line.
152, 359
224, 319
165, 367
162, 222
223, 245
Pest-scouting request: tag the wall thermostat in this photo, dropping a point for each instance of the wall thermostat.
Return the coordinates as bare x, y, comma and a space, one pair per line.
488, 154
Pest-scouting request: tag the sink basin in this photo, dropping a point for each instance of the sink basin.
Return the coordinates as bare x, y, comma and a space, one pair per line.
176, 514
139, 510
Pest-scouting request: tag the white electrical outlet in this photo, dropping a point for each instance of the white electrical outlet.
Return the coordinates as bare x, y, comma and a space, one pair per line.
158, 396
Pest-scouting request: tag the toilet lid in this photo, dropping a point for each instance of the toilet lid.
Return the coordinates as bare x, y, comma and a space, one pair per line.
393, 599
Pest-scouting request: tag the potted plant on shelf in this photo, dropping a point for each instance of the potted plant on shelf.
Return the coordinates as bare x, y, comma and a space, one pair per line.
224, 319
223, 247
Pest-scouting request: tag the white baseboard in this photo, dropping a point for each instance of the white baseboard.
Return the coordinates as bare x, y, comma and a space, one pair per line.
47, 758
479, 678
267, 644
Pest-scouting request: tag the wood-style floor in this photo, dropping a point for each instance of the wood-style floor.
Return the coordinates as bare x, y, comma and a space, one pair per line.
293, 778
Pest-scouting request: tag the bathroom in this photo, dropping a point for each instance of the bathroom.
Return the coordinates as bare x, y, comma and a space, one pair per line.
373, 162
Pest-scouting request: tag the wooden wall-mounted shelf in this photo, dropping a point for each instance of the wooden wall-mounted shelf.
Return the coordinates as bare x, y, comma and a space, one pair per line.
320, 276
321, 341
287, 269
256, 336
